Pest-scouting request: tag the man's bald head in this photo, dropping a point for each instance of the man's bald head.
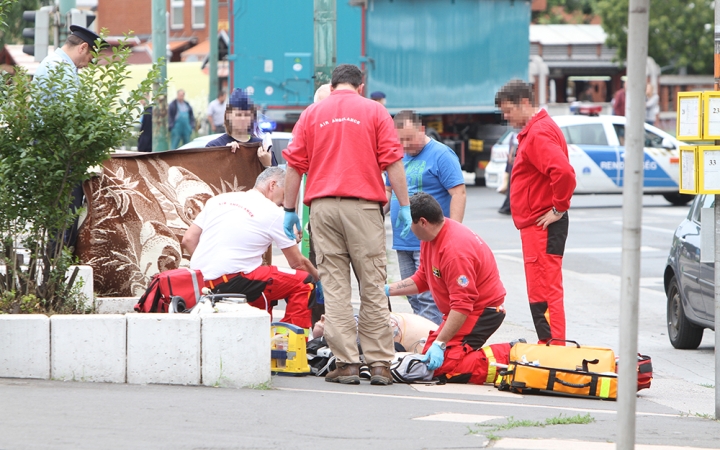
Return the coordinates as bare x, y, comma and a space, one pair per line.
322, 93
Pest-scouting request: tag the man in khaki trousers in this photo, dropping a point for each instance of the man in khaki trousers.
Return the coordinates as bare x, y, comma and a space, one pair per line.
344, 143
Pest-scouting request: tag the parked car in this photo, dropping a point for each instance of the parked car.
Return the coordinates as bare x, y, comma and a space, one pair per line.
596, 150
689, 283
498, 158
280, 142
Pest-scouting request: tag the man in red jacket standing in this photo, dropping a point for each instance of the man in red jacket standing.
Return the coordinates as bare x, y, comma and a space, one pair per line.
344, 143
543, 182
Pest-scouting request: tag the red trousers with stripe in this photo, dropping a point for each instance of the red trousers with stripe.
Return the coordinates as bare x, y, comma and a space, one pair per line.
466, 360
542, 254
293, 285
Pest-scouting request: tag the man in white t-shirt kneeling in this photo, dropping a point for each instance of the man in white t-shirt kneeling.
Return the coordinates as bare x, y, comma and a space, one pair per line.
229, 237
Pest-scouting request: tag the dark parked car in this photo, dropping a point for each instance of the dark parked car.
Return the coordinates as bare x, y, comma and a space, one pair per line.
689, 283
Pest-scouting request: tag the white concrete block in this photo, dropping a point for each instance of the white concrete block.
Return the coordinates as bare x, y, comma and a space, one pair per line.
84, 277
236, 347
88, 347
115, 305
163, 348
25, 346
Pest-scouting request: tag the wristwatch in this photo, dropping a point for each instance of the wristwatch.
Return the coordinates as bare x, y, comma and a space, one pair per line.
556, 212
441, 344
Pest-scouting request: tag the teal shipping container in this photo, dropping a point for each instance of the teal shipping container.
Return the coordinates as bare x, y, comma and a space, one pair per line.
445, 59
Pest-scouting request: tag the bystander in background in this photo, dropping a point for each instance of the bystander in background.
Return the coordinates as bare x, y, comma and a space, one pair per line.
216, 114
181, 120
433, 168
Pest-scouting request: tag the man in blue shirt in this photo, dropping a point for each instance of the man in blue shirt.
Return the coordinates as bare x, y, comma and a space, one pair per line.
75, 54
433, 168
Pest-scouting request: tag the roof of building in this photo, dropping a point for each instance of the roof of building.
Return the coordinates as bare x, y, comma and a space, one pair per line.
567, 34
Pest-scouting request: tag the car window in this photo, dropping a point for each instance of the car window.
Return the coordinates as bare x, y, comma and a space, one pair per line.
703, 201
589, 134
652, 140
278, 146
505, 138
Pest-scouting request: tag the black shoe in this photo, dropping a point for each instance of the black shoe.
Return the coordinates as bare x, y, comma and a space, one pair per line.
504, 211
365, 372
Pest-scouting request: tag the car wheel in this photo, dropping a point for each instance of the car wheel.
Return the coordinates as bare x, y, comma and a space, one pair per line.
678, 199
683, 334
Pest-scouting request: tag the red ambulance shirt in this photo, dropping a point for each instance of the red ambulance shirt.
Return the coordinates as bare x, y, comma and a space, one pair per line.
344, 143
460, 271
542, 176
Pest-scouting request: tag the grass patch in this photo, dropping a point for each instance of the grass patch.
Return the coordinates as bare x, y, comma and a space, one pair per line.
266, 386
490, 430
708, 385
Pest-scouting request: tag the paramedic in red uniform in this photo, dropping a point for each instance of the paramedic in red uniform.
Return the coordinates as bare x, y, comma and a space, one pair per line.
459, 269
344, 143
229, 237
543, 182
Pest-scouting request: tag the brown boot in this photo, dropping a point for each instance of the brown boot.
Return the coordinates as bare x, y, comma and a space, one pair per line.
344, 374
380, 376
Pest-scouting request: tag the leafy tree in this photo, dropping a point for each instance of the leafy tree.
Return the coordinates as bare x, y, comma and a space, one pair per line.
680, 32
11, 31
51, 133
566, 11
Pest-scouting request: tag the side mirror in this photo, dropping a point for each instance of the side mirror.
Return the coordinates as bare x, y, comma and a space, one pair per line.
668, 144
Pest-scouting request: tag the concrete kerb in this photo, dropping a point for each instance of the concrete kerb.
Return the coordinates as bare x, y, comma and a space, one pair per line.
24, 346
88, 347
232, 350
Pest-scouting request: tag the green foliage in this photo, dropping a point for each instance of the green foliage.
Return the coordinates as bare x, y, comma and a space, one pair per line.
51, 133
11, 12
680, 32
566, 12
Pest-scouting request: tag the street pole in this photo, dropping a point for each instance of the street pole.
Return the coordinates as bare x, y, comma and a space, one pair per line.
325, 15
637, 49
63, 29
65, 6
717, 229
213, 58
159, 41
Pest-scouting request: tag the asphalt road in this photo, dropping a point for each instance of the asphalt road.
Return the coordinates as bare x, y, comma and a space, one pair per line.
591, 271
308, 413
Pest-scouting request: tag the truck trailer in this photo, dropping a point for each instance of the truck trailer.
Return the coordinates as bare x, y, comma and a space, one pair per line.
444, 59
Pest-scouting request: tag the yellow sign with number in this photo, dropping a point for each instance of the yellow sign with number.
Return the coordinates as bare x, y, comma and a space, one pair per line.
689, 116
709, 169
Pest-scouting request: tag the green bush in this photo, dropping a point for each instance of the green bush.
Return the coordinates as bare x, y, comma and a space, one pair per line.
51, 133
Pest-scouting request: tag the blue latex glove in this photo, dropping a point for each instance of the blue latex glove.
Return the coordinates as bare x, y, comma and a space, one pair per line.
319, 294
404, 220
434, 356
291, 220
387, 290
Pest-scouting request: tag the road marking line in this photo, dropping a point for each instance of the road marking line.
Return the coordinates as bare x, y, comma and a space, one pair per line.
458, 418
591, 250
474, 402
463, 389
650, 228
553, 444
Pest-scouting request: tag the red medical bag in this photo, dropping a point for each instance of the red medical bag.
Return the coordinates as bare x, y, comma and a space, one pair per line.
185, 283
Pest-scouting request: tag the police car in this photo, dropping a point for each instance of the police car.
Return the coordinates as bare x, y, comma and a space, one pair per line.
597, 153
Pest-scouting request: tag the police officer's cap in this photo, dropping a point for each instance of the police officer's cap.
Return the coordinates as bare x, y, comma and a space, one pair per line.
86, 35
240, 99
377, 95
